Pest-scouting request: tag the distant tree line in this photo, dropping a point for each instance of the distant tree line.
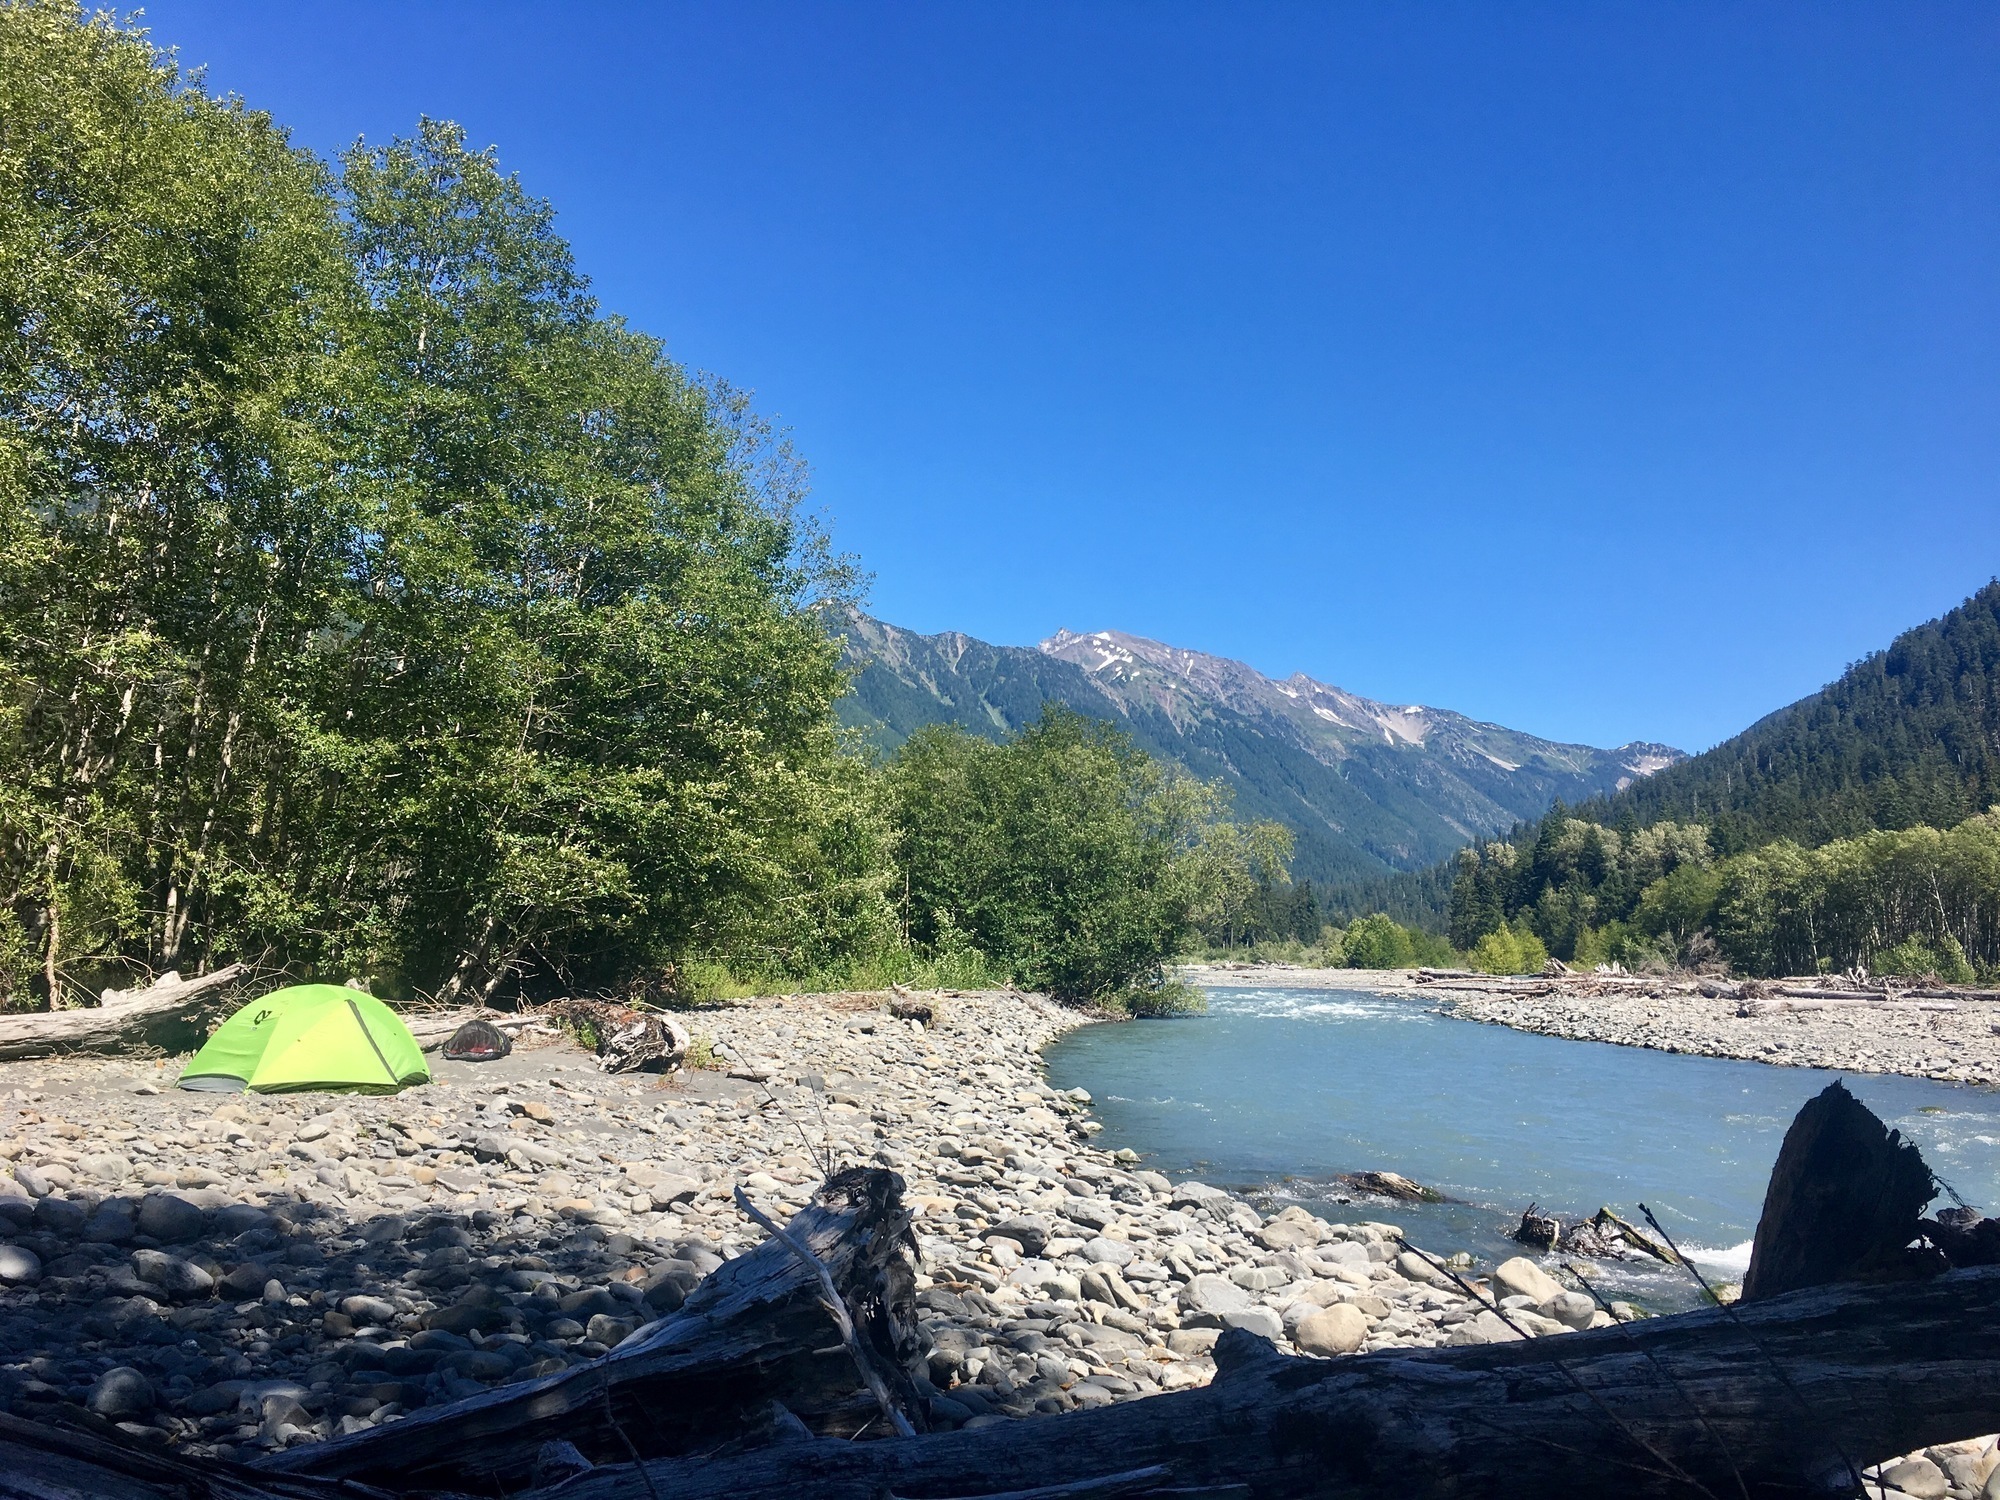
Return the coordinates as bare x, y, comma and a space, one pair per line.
374, 603
1894, 901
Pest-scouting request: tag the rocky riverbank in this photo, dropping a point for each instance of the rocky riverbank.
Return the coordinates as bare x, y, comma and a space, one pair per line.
1959, 1045
242, 1274
1949, 1043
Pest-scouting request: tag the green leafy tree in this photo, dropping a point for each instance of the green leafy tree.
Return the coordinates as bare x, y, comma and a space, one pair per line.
1066, 854
172, 294
1378, 942
369, 600
1509, 951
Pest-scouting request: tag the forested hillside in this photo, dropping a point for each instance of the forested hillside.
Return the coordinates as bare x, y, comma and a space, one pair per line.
1852, 828
1907, 736
1366, 788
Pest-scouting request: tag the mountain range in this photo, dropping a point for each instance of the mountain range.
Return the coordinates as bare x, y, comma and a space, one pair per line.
1367, 788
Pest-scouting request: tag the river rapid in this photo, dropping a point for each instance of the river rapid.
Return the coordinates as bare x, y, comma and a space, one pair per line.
1275, 1091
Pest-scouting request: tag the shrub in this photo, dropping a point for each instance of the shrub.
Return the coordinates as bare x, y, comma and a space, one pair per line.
1067, 856
1917, 958
1378, 942
1508, 951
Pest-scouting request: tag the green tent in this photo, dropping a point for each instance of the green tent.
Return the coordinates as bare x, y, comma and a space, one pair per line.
309, 1038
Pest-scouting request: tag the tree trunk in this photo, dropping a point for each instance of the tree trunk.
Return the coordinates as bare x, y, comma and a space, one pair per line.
749, 1392
1873, 1371
163, 1016
63, 1463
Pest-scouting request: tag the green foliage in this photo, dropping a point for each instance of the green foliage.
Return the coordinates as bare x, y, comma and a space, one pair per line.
705, 981
1066, 854
1677, 906
1576, 877
1618, 943
1924, 900
1160, 1002
1507, 951
1917, 958
369, 601
1376, 942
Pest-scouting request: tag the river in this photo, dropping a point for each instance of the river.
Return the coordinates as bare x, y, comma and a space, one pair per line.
1274, 1091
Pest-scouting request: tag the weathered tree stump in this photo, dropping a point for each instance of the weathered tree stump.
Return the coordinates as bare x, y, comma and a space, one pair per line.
1845, 1199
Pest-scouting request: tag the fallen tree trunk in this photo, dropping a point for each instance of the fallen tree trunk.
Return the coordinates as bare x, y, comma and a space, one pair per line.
1668, 1407
40, 1462
1675, 1407
163, 1016
755, 1333
1835, 1002
749, 1389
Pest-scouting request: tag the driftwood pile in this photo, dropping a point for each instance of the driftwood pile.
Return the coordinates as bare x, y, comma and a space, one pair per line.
779, 1372
1756, 996
1603, 1236
172, 1015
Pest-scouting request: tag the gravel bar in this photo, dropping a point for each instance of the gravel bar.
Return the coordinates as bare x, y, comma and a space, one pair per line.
238, 1275
1959, 1045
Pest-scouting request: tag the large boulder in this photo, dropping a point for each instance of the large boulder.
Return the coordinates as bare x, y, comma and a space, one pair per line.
1485, 1328
1413, 1267
1197, 1195
1294, 1229
1344, 1253
1339, 1329
106, 1166
1262, 1321
1523, 1278
112, 1223
169, 1219
171, 1274
19, 1266
1030, 1231
1207, 1299
121, 1392
60, 1216
1572, 1309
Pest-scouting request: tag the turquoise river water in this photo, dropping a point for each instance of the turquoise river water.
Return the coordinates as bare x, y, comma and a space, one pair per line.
1274, 1091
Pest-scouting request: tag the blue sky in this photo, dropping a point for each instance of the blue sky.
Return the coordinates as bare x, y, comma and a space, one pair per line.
1612, 371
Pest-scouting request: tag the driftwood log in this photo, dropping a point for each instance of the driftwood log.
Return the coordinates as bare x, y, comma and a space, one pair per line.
1670, 1407
755, 1333
1676, 1406
164, 1015
42, 1462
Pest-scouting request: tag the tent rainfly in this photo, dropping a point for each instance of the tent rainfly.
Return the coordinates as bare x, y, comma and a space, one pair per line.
309, 1038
